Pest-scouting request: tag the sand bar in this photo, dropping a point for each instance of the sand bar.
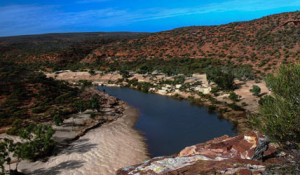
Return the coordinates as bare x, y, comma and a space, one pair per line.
101, 151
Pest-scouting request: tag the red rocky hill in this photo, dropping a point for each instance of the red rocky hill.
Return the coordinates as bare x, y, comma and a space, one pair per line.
263, 43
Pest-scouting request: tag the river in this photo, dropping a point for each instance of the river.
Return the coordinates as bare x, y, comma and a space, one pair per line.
170, 125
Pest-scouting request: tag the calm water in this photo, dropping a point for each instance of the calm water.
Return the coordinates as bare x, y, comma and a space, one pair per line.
170, 125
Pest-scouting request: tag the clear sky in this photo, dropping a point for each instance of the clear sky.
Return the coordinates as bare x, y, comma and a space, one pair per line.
19, 17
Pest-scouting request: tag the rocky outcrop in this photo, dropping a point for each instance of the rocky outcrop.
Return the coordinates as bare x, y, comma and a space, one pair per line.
223, 155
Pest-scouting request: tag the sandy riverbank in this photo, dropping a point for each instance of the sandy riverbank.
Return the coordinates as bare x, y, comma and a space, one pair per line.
100, 151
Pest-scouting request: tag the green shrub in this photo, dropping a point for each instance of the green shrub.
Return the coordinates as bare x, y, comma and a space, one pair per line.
179, 80
215, 90
177, 97
39, 109
15, 127
36, 143
85, 83
93, 115
244, 104
125, 74
255, 90
233, 96
235, 107
224, 79
279, 115
144, 86
92, 72
57, 119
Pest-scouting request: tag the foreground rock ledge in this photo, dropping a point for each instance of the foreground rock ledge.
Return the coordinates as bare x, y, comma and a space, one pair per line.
223, 155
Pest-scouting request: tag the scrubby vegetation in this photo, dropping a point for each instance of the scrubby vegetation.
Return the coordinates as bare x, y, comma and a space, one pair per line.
279, 114
262, 43
233, 96
255, 90
29, 97
224, 79
57, 50
35, 142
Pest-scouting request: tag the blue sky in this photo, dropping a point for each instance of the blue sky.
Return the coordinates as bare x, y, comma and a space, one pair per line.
19, 17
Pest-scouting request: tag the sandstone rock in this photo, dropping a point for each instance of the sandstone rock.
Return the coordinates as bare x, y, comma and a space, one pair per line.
223, 155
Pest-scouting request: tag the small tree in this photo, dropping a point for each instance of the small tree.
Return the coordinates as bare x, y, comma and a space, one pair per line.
79, 105
3, 156
7, 146
125, 74
94, 102
36, 143
255, 90
279, 115
224, 79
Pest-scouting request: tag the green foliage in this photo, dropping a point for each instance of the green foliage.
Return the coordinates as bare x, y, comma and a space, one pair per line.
15, 127
265, 99
235, 107
145, 69
172, 66
82, 105
85, 83
279, 115
39, 109
93, 115
177, 97
243, 72
255, 90
233, 96
94, 102
179, 80
37, 142
20, 86
133, 82
215, 90
224, 79
125, 74
244, 104
92, 72
57, 119
4, 156
185, 87
144, 86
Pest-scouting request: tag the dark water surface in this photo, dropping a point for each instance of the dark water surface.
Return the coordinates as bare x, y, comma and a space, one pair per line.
170, 125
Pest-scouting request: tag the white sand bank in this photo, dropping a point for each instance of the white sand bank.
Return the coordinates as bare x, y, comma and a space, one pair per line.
101, 151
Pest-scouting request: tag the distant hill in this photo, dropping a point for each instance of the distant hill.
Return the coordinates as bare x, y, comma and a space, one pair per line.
57, 48
52, 37
263, 43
